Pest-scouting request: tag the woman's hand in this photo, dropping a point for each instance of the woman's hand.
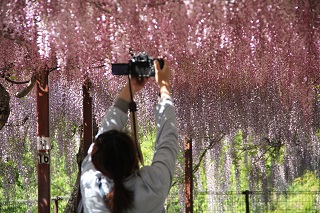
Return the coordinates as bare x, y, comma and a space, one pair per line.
163, 78
136, 85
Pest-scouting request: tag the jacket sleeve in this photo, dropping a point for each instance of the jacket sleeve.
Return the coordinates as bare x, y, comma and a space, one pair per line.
115, 118
166, 147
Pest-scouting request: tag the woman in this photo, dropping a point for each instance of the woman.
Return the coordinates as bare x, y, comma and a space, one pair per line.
110, 178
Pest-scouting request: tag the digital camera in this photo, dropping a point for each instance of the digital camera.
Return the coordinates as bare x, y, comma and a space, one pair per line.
141, 65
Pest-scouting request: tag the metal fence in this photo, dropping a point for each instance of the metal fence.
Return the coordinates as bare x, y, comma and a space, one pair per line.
18, 206
249, 201
30, 206
216, 202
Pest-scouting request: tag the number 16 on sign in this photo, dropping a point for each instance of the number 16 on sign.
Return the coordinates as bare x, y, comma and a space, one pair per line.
43, 158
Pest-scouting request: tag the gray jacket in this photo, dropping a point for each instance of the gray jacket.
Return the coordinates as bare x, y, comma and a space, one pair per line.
151, 184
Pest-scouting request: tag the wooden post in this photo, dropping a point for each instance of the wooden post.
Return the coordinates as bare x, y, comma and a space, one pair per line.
87, 116
246, 193
43, 142
56, 204
188, 175
87, 129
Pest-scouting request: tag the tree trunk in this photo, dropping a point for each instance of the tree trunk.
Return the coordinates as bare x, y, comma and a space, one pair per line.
72, 204
4, 106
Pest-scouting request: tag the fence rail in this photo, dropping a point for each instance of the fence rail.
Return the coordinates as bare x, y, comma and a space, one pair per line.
216, 202
249, 201
18, 206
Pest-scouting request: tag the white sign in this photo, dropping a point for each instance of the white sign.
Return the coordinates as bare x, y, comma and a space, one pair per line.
43, 143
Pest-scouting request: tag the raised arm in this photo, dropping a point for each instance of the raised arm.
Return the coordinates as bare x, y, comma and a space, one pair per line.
116, 116
166, 147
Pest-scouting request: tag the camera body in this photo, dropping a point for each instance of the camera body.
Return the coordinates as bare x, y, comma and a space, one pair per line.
140, 65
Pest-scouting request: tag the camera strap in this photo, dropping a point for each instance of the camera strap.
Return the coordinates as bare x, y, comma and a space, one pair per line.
134, 124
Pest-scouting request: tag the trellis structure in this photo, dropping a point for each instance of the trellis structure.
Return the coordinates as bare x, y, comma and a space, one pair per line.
249, 66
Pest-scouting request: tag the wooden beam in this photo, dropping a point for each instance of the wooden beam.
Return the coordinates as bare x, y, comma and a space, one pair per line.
43, 142
188, 175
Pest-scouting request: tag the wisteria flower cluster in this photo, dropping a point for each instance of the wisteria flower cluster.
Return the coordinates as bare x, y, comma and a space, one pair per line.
248, 65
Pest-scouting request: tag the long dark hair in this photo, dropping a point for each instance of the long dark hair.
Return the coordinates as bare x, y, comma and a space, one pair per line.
115, 156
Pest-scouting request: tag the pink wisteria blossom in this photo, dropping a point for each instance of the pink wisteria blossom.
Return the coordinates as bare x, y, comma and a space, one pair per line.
248, 65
